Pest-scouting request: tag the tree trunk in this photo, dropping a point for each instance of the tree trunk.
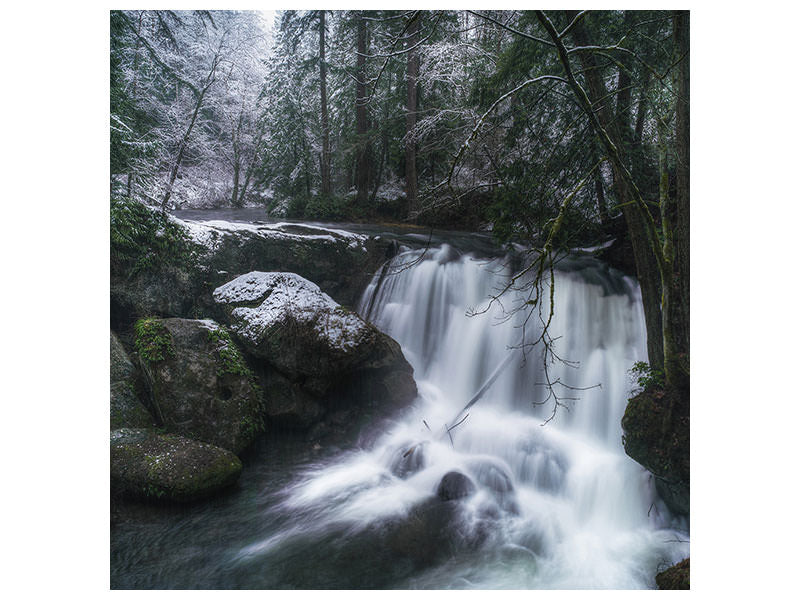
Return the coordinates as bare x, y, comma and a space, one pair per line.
325, 160
676, 301
602, 206
362, 122
182, 148
647, 269
412, 73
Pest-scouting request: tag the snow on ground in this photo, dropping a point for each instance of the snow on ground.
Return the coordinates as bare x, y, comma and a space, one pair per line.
208, 233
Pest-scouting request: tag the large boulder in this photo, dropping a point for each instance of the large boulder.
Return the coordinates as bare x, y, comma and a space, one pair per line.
656, 435
340, 262
126, 410
331, 356
200, 384
152, 466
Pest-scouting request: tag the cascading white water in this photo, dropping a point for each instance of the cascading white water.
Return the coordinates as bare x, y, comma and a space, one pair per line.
558, 503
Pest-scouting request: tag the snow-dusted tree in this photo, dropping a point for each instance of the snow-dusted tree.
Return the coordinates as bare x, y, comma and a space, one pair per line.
196, 75
236, 132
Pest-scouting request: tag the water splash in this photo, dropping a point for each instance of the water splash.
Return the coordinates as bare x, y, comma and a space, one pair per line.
555, 506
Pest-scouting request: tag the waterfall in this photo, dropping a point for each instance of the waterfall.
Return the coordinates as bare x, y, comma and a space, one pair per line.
556, 502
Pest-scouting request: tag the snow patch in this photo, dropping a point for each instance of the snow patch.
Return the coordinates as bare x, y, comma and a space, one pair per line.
208, 233
283, 295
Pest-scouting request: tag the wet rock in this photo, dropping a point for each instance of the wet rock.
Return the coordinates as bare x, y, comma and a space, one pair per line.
288, 405
454, 486
407, 460
492, 476
200, 385
431, 532
497, 481
656, 435
150, 466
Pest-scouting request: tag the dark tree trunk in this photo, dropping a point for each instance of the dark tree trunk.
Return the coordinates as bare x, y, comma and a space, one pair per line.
182, 148
412, 73
676, 357
325, 159
362, 120
647, 268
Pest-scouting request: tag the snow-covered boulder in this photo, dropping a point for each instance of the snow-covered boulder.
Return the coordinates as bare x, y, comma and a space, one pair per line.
151, 466
329, 352
200, 384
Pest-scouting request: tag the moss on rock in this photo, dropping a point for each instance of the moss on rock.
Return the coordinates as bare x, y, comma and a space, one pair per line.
152, 340
674, 578
152, 466
203, 388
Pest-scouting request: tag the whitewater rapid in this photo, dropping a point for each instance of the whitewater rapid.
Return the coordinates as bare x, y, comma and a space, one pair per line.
557, 503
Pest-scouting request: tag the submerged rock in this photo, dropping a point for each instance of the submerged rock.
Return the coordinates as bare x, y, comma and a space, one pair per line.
331, 357
408, 459
454, 486
126, 409
200, 385
150, 466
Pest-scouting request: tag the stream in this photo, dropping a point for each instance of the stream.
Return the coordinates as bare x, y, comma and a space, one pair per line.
554, 502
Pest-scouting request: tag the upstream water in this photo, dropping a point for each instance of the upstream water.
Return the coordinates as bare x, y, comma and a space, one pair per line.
555, 502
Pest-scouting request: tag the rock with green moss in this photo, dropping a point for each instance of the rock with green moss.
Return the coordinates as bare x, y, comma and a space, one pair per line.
126, 409
674, 578
328, 353
656, 435
200, 385
152, 466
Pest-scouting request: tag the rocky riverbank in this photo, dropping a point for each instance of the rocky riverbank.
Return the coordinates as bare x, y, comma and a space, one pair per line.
208, 354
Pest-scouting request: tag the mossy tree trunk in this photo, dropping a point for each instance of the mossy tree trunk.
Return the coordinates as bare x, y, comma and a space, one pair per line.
609, 128
659, 264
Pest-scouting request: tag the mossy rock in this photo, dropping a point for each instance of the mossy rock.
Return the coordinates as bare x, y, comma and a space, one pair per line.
200, 385
674, 578
656, 435
125, 408
158, 467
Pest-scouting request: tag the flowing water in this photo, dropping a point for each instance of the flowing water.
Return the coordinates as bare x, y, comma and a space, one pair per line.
556, 503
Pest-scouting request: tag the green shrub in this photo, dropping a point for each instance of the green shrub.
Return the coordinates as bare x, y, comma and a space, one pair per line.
332, 208
144, 238
646, 378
